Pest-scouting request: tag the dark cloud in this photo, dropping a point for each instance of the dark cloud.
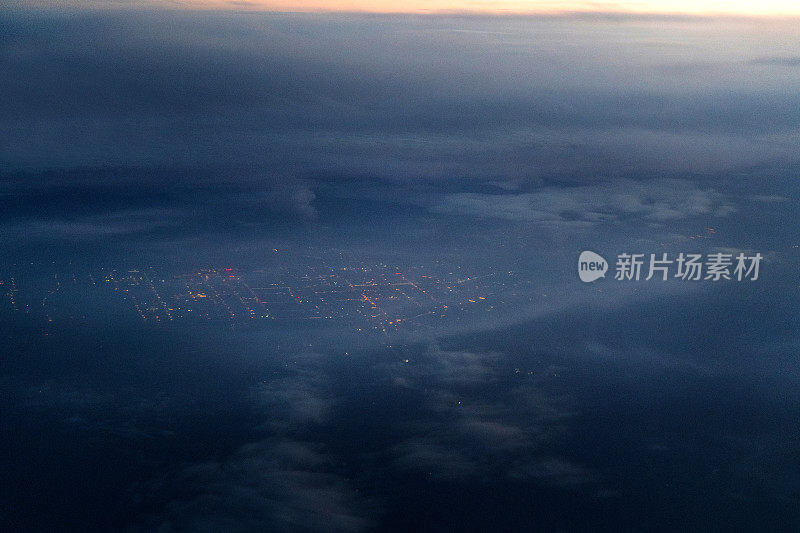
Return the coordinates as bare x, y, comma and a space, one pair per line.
266, 486
474, 435
108, 225
284, 480
556, 471
412, 97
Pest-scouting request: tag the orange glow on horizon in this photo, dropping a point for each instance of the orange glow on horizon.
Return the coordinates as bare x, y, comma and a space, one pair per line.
689, 7
734, 7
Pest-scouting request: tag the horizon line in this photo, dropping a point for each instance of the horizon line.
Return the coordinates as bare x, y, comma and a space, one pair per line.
389, 7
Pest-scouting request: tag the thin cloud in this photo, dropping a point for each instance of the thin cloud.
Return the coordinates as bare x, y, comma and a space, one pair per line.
651, 201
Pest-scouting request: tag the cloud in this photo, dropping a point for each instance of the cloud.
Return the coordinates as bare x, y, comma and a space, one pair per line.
432, 98
651, 201
475, 418
120, 223
456, 367
93, 205
472, 433
769, 198
284, 481
435, 458
554, 471
267, 486
299, 401
793, 61
274, 195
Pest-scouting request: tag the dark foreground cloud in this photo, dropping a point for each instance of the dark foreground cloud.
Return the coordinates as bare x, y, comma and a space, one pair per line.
458, 431
266, 486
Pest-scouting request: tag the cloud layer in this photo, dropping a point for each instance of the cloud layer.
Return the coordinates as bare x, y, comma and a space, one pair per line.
655, 201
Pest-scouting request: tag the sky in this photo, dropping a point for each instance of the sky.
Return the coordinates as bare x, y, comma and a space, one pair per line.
176, 140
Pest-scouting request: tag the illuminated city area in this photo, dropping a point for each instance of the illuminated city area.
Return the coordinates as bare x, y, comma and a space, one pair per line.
363, 297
